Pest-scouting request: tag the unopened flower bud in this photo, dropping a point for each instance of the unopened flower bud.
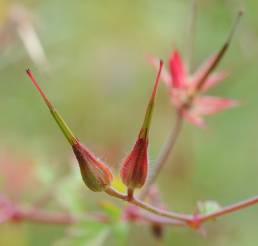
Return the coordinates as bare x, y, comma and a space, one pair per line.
96, 175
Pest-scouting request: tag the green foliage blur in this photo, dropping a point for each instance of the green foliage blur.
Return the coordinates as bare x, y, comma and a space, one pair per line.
98, 77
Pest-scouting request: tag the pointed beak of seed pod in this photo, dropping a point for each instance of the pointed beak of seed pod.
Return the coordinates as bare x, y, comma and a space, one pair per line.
135, 167
216, 58
96, 175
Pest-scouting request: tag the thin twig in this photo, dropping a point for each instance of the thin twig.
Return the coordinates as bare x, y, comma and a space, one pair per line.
172, 215
148, 217
194, 221
43, 217
20, 214
11, 212
229, 209
134, 214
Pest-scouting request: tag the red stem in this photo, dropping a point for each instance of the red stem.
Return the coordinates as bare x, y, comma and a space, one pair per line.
229, 209
194, 221
152, 218
19, 214
43, 217
16, 213
154, 210
31, 76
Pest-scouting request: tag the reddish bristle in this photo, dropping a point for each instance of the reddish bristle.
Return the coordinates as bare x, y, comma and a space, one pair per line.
33, 80
157, 80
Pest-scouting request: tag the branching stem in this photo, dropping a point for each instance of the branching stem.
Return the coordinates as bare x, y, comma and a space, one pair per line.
193, 221
147, 207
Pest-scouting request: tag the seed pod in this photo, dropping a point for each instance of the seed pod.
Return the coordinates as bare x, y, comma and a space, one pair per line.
216, 58
135, 167
95, 174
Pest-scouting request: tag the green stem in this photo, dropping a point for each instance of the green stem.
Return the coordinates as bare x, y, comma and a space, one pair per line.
57, 117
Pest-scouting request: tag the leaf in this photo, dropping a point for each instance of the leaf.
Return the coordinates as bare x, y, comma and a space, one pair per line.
45, 173
113, 212
95, 239
207, 207
68, 191
57, 117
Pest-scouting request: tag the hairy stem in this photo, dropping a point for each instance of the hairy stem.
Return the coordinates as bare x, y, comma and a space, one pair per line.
194, 221
20, 214
147, 207
152, 218
43, 217
229, 209
11, 212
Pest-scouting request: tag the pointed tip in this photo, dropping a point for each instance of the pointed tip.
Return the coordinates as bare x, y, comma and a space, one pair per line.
241, 12
58, 118
177, 69
33, 80
161, 63
220, 54
175, 55
154, 92
234, 27
148, 113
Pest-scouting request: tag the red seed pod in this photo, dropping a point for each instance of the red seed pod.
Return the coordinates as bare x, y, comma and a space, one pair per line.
96, 175
135, 167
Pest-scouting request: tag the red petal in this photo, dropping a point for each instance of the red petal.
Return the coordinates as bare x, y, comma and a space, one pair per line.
208, 105
202, 70
213, 79
177, 70
194, 119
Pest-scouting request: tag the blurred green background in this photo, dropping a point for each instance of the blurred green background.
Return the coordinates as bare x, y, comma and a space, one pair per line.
99, 79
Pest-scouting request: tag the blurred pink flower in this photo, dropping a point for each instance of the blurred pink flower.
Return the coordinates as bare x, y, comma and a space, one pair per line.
18, 176
185, 88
